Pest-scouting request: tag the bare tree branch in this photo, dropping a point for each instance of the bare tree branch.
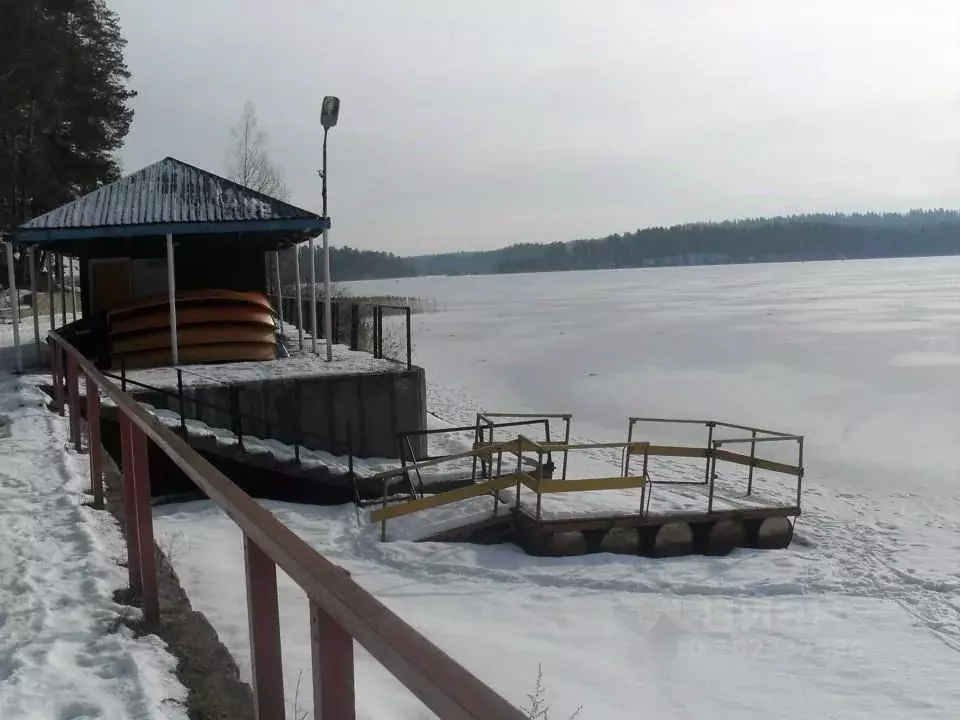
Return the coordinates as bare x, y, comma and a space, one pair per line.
247, 159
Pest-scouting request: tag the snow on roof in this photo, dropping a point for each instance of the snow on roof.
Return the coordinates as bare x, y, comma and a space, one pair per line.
167, 192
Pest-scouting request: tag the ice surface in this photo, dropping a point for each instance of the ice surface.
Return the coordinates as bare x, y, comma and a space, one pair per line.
860, 618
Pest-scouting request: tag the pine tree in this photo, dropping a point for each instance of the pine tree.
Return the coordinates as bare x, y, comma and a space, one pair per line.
64, 103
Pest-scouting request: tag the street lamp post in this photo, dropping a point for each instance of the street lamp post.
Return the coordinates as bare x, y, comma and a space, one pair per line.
328, 118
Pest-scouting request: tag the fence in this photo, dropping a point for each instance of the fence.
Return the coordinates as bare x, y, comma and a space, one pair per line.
359, 326
340, 610
713, 451
238, 419
490, 454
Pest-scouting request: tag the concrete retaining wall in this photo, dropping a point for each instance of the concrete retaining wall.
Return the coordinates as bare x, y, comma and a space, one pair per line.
359, 413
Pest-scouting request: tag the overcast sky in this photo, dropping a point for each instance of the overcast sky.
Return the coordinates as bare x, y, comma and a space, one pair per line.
469, 124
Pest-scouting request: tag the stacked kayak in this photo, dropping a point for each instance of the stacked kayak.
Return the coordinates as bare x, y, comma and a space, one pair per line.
212, 326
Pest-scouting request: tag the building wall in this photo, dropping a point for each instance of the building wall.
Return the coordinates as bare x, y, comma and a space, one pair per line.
359, 414
221, 262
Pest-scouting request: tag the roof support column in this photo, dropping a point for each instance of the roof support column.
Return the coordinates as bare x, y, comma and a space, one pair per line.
296, 270
51, 274
73, 292
14, 305
34, 296
313, 292
63, 294
276, 260
172, 291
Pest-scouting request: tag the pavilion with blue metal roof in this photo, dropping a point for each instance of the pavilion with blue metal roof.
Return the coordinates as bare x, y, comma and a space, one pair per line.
220, 230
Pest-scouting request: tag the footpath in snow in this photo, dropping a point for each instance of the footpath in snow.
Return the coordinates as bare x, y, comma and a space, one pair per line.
65, 651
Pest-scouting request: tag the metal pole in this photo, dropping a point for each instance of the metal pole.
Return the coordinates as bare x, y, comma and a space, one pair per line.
14, 305
33, 299
753, 456
409, 341
276, 261
51, 271
313, 294
712, 470
327, 315
63, 294
296, 269
73, 292
172, 293
800, 471
710, 448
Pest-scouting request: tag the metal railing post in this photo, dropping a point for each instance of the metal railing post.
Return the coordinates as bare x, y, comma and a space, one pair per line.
566, 441
753, 456
183, 420
712, 471
355, 326
148, 558
237, 419
496, 493
56, 364
264, 622
94, 448
706, 472
800, 471
409, 341
73, 397
516, 506
335, 321
297, 419
123, 373
130, 505
331, 652
383, 523
539, 481
51, 272
63, 294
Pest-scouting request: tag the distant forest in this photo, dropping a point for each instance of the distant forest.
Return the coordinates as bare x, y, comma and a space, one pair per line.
779, 239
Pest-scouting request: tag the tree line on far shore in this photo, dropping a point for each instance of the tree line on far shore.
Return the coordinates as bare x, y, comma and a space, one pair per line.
781, 239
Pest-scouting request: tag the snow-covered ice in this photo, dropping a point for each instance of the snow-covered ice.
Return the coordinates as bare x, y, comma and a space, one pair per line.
859, 618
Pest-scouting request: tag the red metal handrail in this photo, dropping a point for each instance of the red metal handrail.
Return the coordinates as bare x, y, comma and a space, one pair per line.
340, 610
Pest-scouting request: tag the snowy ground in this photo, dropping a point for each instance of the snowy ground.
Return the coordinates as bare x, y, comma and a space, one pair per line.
64, 650
860, 618
301, 363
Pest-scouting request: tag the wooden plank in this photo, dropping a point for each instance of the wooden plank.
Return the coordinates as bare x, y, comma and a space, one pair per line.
525, 444
675, 451
444, 498
589, 484
526, 479
410, 467
758, 463
560, 447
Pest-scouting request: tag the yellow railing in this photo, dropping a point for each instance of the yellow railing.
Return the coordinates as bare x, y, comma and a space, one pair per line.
492, 455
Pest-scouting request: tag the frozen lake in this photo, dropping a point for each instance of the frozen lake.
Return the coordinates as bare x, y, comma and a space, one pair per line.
859, 618
862, 357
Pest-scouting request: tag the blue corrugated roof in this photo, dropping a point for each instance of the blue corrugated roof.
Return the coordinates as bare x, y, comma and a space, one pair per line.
168, 196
